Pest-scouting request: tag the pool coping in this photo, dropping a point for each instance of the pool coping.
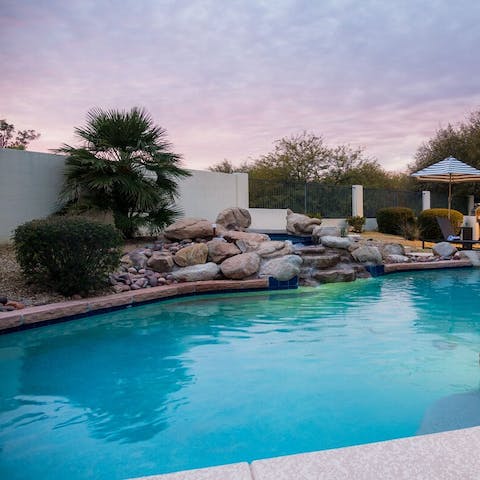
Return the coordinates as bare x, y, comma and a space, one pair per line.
413, 266
32, 317
449, 455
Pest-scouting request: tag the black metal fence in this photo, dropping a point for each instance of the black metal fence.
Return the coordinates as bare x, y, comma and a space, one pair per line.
440, 200
330, 201
335, 201
376, 198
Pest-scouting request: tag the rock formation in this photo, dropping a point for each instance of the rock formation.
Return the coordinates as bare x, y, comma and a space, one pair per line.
234, 218
298, 224
190, 228
191, 252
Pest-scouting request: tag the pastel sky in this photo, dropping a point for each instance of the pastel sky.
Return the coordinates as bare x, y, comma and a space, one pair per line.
226, 78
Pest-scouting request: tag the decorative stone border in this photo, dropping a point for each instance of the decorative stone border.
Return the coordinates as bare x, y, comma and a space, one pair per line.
31, 316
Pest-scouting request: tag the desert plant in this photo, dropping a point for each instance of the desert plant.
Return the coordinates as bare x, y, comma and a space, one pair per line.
356, 223
429, 226
314, 215
69, 254
411, 231
394, 219
126, 166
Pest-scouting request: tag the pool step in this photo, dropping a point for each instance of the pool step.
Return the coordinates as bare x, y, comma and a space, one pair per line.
321, 261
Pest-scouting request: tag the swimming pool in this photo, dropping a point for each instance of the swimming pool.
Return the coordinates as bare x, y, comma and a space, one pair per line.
210, 380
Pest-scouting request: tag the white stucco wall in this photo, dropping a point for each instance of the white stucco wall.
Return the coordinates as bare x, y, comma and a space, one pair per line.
268, 218
29, 187
205, 193
30, 183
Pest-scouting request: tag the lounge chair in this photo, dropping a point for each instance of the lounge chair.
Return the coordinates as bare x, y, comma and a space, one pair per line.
449, 235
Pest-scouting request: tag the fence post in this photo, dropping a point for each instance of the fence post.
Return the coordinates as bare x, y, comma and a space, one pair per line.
425, 200
357, 200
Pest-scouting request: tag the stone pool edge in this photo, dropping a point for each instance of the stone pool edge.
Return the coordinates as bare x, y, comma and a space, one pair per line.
31, 317
447, 455
36, 316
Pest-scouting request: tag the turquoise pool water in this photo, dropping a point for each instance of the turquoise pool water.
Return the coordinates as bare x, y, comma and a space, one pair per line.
209, 380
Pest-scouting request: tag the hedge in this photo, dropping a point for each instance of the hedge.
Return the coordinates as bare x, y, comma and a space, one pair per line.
429, 226
72, 255
394, 220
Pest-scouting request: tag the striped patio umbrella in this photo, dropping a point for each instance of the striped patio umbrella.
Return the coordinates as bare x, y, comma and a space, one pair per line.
450, 170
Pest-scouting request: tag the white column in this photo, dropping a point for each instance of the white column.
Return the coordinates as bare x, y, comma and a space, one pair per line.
425, 200
242, 190
357, 200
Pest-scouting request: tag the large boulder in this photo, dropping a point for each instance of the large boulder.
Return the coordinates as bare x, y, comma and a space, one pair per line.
338, 274
336, 242
161, 262
196, 273
189, 228
233, 236
234, 218
191, 255
245, 241
367, 254
318, 232
392, 249
299, 224
241, 266
274, 248
444, 250
219, 249
282, 268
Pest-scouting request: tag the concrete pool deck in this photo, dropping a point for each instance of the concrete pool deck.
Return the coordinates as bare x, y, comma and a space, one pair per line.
449, 455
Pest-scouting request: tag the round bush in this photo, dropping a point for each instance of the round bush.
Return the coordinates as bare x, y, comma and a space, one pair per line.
429, 226
69, 254
394, 220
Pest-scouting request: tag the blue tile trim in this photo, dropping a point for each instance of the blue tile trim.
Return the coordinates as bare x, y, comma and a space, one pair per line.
274, 284
375, 270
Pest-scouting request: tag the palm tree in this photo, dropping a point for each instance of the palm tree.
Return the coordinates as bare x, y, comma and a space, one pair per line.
124, 165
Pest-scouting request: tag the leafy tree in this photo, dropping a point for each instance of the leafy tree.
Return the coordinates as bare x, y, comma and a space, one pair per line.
302, 157
461, 142
22, 138
124, 165
306, 158
223, 167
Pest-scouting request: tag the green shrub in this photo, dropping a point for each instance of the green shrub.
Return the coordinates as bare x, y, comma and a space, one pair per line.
314, 215
356, 223
429, 226
394, 219
69, 254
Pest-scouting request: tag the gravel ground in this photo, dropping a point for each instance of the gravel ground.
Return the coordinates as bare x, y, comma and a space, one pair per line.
14, 286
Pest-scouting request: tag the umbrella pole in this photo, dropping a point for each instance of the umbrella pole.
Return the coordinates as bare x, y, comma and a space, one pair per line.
449, 196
